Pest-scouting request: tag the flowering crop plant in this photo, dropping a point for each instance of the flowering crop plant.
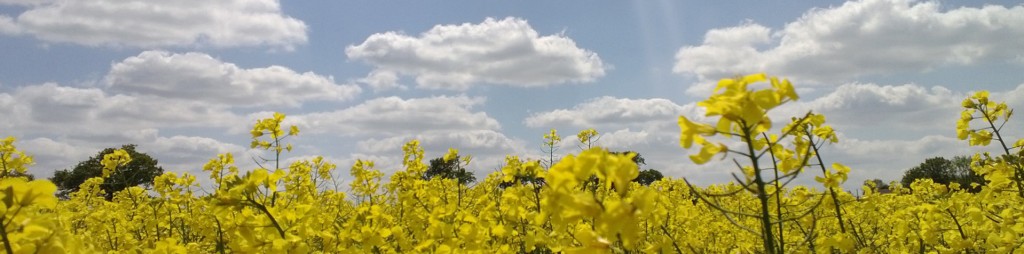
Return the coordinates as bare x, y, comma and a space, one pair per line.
581, 203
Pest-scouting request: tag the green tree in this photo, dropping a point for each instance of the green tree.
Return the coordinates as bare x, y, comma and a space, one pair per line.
648, 176
945, 171
140, 171
965, 176
450, 169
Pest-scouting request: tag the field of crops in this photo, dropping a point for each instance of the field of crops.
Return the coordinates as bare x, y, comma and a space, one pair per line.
584, 203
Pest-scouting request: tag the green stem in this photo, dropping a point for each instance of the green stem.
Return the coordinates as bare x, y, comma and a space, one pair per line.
7, 242
263, 209
778, 194
958, 226
674, 244
766, 224
3, 174
832, 191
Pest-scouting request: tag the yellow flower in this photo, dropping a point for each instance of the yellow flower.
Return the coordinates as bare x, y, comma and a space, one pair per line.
113, 160
707, 151
981, 97
552, 138
829, 180
980, 138
451, 155
826, 133
784, 89
841, 169
689, 132
842, 172
968, 103
587, 136
13, 160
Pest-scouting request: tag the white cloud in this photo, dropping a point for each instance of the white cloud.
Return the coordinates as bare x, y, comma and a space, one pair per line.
190, 153
26, 2
625, 138
611, 112
51, 155
1013, 98
726, 52
748, 34
506, 51
8, 26
140, 23
883, 111
51, 108
859, 38
201, 77
391, 116
382, 80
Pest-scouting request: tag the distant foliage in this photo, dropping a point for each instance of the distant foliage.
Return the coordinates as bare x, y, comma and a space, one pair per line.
449, 168
141, 170
943, 171
648, 176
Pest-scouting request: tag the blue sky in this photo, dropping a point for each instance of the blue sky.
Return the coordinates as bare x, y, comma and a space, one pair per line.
185, 79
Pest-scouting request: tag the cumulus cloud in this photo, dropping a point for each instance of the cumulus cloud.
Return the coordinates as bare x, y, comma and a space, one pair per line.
187, 146
51, 155
883, 111
140, 23
1013, 98
506, 51
611, 112
382, 80
52, 108
396, 116
8, 26
189, 153
859, 38
201, 77
625, 138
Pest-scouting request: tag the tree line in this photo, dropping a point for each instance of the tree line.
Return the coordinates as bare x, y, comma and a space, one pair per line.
144, 168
